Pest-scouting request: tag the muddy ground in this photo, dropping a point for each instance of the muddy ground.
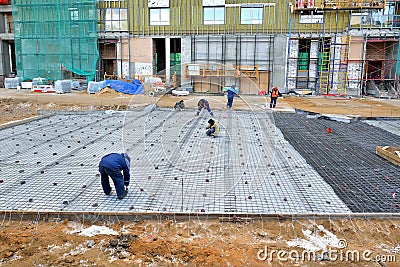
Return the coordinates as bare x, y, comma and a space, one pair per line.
202, 242
198, 241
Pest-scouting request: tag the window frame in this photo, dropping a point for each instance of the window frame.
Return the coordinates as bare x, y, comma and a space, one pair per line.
251, 20
118, 23
214, 21
159, 22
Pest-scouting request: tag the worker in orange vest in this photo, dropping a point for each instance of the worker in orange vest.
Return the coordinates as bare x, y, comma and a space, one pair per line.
274, 96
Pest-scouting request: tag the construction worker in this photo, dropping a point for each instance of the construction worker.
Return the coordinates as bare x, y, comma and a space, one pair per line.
274, 96
231, 94
179, 105
203, 103
111, 165
213, 128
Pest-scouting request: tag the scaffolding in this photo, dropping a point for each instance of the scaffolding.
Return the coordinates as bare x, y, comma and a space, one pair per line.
357, 52
333, 72
55, 39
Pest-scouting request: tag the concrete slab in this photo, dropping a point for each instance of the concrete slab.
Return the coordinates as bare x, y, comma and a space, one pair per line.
51, 164
392, 126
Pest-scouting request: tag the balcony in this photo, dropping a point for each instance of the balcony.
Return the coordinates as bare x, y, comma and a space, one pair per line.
300, 5
374, 20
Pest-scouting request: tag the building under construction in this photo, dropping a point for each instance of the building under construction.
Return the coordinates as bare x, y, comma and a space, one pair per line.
309, 46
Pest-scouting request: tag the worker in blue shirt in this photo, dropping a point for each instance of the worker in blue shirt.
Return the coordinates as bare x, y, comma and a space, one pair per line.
111, 165
231, 94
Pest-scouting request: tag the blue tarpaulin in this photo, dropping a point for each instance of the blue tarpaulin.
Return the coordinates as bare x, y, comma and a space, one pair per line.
134, 88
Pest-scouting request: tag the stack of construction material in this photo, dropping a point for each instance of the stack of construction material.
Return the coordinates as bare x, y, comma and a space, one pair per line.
12, 82
39, 81
94, 87
75, 85
63, 86
42, 85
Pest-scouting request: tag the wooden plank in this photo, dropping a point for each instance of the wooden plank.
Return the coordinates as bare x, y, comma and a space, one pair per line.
388, 155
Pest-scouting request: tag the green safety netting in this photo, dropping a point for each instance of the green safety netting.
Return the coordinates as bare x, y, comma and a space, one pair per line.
53, 37
398, 61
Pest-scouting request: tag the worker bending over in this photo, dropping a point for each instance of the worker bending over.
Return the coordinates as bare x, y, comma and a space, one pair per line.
213, 128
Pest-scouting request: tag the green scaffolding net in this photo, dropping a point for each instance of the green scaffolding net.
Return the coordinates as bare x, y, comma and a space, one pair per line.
54, 38
398, 61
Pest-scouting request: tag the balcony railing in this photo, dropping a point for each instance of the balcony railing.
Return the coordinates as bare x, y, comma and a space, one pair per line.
370, 20
338, 4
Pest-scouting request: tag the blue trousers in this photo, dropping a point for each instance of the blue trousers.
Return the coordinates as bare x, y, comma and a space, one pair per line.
207, 107
117, 178
230, 101
272, 104
210, 131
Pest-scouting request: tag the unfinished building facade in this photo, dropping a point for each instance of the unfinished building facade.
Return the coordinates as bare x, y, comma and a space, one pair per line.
309, 46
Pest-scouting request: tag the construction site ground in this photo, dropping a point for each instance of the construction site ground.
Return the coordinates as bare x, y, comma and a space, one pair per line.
276, 169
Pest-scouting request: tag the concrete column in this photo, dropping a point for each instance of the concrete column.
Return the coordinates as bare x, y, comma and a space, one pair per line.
167, 60
186, 52
2, 65
5, 60
335, 59
280, 57
312, 73
292, 64
118, 47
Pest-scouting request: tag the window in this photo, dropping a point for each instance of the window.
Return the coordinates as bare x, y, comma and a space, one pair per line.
159, 16
116, 19
251, 15
214, 15
74, 16
74, 13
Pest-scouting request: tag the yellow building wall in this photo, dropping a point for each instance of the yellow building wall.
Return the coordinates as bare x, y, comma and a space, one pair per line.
186, 17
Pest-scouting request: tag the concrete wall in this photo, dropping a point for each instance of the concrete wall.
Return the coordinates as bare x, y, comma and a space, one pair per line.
141, 50
355, 66
354, 71
135, 56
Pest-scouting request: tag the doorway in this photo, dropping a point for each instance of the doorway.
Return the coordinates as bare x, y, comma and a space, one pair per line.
159, 56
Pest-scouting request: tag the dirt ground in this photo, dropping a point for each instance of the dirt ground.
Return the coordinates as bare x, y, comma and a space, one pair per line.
198, 241
19, 104
202, 242
365, 107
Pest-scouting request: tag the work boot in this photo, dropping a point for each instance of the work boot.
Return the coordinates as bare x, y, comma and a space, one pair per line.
124, 195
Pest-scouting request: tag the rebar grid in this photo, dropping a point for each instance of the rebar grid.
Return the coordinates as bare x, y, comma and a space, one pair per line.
346, 160
51, 164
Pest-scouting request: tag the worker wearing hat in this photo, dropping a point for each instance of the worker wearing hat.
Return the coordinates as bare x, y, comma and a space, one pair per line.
274, 96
